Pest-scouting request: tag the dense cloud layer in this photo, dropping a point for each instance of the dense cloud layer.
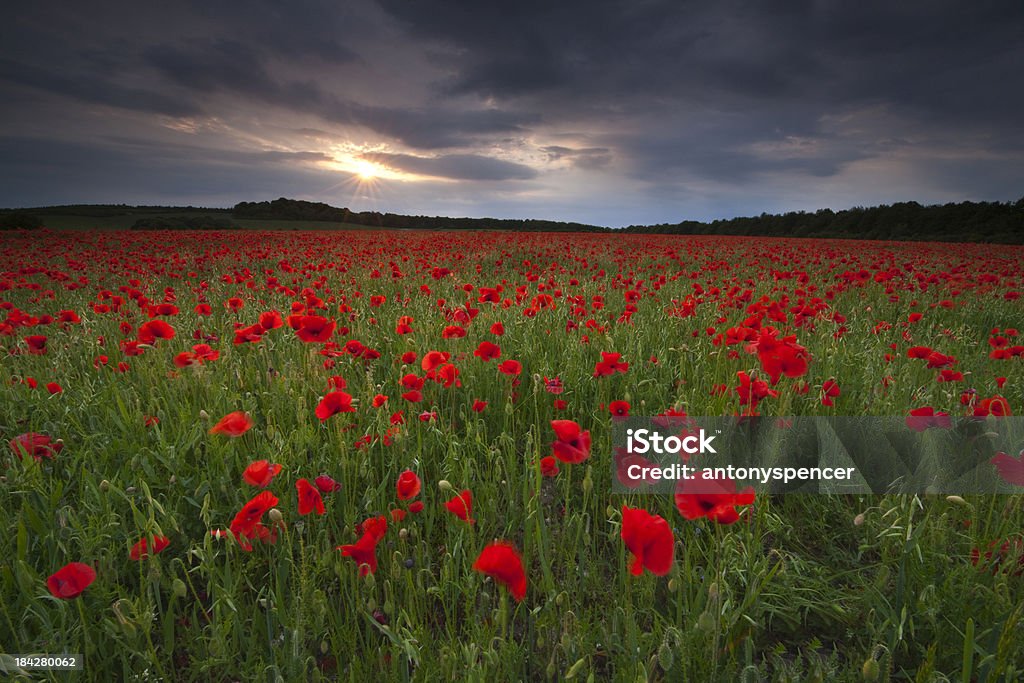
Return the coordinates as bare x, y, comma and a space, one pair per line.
597, 111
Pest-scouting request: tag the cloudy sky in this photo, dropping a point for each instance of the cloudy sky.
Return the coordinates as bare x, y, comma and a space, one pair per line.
598, 111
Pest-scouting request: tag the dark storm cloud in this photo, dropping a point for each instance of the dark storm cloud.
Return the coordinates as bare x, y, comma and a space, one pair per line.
454, 166
657, 99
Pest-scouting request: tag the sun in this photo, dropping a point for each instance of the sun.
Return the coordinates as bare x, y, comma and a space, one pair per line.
366, 170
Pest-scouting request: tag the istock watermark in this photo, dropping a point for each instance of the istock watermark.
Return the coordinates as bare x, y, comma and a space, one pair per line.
862, 454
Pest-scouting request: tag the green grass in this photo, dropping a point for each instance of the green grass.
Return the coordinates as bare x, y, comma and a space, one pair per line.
803, 588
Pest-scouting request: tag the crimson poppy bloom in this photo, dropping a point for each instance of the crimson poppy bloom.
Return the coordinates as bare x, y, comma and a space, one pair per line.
54, 388
233, 424
497, 329
572, 445
780, 356
327, 484
650, 539
609, 365
1011, 470
549, 466
260, 473
152, 330
270, 320
309, 498
333, 403
408, 485
478, 405
715, 499
140, 550
244, 523
364, 552
315, 329
462, 506
70, 580
487, 351
502, 562
39, 446
829, 391
927, 417
36, 344
511, 367
619, 408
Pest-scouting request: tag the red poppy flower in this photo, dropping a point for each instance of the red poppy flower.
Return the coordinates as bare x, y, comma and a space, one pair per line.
478, 405
152, 330
511, 367
549, 466
502, 562
572, 445
70, 580
780, 356
334, 403
364, 552
650, 539
1011, 470
433, 359
715, 499
497, 329
397, 515
315, 329
140, 550
996, 406
408, 485
462, 506
619, 408
260, 473
409, 357
609, 365
309, 498
36, 344
249, 335
487, 351
244, 523
233, 424
926, 417
379, 400
829, 391
39, 446
327, 484
54, 388
375, 526
270, 320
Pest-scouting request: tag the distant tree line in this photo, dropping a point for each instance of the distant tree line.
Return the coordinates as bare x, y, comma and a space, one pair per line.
964, 222
296, 209
998, 222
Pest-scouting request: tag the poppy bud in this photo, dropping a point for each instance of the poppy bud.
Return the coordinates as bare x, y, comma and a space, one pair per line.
673, 585
203, 415
275, 515
870, 670
403, 533
324, 647
444, 485
665, 657
370, 583
178, 588
706, 621
104, 485
713, 592
859, 519
957, 500
371, 604
588, 482
575, 668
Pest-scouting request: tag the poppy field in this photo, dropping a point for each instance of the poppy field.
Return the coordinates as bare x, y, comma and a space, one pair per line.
386, 455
